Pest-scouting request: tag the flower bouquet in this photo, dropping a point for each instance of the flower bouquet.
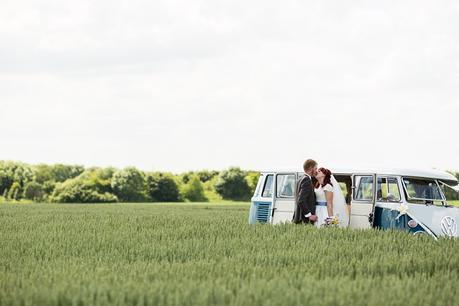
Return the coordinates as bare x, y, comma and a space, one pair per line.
331, 221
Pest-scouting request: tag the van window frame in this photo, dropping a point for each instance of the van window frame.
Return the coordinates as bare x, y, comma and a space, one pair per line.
413, 200
294, 186
400, 188
264, 186
356, 189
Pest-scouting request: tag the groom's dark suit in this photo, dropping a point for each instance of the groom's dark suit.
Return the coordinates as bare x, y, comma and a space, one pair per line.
305, 200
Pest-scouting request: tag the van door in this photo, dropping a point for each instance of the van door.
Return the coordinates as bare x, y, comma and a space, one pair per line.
284, 199
363, 200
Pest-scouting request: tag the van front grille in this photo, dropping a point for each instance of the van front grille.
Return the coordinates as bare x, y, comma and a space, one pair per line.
263, 212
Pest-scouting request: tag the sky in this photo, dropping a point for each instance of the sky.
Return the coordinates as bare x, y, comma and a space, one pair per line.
185, 85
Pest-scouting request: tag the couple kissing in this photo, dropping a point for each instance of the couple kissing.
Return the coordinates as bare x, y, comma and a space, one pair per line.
319, 199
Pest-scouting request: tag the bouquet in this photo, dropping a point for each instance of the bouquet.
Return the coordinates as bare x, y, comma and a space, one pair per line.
331, 221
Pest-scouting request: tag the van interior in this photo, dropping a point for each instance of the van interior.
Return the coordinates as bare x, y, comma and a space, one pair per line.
345, 182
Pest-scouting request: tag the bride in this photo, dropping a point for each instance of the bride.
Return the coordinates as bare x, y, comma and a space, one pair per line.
330, 202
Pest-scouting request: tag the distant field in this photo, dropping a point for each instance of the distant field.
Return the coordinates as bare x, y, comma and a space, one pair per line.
455, 203
207, 254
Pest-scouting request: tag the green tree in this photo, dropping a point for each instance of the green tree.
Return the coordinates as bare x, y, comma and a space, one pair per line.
100, 178
49, 175
129, 185
77, 190
48, 187
206, 175
43, 173
11, 172
61, 172
162, 187
57, 173
209, 190
252, 180
185, 177
14, 191
193, 190
232, 185
34, 191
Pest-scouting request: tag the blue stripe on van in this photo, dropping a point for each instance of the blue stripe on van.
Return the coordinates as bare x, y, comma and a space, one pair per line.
259, 212
386, 218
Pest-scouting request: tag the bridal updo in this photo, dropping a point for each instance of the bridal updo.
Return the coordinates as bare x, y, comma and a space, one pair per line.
327, 178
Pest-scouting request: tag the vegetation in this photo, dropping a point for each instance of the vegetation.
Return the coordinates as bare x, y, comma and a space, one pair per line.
129, 185
23, 183
77, 190
204, 254
232, 185
59, 183
193, 190
34, 191
162, 187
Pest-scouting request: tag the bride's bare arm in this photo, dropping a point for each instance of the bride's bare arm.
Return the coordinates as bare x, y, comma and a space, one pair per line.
329, 197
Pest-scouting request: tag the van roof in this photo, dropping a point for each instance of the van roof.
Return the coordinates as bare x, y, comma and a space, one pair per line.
430, 173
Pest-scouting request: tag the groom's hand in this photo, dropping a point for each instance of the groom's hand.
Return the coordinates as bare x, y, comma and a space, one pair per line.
313, 218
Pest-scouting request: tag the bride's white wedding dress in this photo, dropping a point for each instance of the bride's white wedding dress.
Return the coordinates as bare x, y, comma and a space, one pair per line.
339, 204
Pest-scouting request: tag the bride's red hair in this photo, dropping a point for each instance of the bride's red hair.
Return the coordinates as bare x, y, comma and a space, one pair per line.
327, 178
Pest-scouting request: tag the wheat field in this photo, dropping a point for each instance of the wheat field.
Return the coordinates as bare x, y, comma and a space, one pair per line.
207, 254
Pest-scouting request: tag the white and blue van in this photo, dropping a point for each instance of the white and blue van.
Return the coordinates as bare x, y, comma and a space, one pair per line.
407, 200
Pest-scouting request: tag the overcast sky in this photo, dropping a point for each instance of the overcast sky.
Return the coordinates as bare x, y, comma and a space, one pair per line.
182, 85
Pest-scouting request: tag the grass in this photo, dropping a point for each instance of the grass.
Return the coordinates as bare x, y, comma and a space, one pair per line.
205, 254
455, 203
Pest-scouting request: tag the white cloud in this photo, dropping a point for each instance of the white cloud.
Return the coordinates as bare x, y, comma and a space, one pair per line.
177, 85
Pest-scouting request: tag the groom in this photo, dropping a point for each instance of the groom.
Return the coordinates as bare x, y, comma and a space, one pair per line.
305, 198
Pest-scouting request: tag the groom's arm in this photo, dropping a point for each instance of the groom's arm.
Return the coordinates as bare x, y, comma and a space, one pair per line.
304, 194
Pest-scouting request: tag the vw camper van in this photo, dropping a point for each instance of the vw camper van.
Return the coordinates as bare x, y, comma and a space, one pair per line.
407, 200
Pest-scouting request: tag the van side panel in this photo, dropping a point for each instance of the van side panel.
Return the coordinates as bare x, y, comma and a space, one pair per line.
388, 218
283, 211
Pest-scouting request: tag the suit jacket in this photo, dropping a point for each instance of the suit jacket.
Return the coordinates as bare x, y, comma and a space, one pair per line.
305, 200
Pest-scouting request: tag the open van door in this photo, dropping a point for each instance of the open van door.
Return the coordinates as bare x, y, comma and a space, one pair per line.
363, 200
284, 198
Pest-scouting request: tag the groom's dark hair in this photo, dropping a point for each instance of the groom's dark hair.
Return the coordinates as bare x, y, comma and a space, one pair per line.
308, 164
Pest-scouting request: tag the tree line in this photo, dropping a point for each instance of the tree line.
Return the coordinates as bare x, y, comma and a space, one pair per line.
61, 183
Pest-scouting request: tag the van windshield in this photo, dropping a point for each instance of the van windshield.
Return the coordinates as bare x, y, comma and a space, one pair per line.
424, 190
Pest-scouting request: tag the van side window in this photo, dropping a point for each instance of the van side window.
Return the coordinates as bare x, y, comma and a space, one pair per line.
285, 185
388, 190
268, 188
364, 188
